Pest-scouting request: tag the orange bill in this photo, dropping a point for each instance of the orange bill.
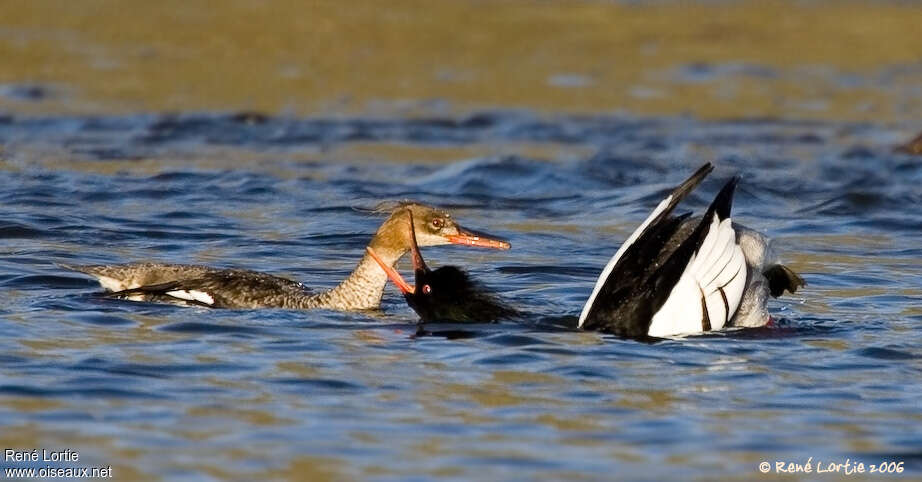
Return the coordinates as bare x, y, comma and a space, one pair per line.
473, 238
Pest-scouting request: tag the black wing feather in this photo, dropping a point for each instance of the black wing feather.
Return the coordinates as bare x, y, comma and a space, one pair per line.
633, 264
639, 284
666, 277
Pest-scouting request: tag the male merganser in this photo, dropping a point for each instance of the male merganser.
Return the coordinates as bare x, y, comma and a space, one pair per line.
677, 275
446, 294
236, 288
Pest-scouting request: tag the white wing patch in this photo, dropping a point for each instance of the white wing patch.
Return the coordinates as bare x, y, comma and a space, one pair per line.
614, 259
111, 284
710, 289
192, 295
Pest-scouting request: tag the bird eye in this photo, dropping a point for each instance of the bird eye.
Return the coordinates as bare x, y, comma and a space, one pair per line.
438, 223
427, 289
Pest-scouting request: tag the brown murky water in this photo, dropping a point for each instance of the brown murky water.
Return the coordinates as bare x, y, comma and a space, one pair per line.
846, 60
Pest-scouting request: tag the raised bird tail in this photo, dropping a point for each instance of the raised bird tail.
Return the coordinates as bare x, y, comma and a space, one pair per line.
781, 278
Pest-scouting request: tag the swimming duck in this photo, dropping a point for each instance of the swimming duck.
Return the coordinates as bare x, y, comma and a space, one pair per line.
678, 275
236, 288
446, 294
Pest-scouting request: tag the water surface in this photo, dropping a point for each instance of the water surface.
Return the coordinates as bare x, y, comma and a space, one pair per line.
184, 393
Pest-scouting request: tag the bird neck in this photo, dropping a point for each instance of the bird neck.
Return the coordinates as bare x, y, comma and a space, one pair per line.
364, 287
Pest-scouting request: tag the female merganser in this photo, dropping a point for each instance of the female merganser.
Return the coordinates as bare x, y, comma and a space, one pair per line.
677, 275
446, 294
235, 288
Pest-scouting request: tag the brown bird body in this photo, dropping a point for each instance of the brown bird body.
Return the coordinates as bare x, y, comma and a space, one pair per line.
235, 288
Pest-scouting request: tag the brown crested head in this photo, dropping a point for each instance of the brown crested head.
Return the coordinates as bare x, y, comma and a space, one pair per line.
432, 227
444, 294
